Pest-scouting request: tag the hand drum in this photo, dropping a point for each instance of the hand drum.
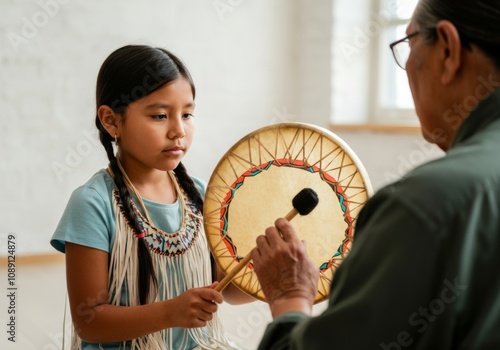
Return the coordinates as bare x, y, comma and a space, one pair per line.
254, 184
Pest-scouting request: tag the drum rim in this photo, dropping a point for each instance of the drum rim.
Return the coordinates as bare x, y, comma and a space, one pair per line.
292, 125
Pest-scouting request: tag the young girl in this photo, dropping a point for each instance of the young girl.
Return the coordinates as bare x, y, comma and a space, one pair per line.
139, 272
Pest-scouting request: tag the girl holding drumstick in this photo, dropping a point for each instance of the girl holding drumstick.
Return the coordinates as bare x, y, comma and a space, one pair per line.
139, 272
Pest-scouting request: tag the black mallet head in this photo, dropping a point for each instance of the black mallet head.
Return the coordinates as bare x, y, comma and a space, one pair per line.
305, 201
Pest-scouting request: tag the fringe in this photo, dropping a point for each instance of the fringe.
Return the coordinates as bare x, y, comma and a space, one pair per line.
175, 275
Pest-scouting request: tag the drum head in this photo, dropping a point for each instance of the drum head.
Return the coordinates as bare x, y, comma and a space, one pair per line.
254, 184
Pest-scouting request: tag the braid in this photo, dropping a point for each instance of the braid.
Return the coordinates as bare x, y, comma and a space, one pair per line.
146, 268
187, 184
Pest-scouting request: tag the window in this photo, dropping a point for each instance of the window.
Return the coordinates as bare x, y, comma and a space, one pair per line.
393, 102
367, 84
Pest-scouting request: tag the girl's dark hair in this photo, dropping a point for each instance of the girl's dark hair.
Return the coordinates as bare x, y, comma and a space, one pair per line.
127, 75
478, 22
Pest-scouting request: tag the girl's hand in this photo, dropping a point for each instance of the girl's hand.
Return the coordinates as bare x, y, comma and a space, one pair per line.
194, 307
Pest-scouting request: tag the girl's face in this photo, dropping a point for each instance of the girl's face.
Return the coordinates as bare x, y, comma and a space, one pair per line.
158, 129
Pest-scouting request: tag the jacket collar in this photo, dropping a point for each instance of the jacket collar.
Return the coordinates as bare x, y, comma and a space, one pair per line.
485, 113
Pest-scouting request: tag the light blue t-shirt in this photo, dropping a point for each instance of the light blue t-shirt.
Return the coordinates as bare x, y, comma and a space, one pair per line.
89, 220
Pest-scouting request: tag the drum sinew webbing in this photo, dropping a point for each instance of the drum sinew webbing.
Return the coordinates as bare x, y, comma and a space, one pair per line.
255, 182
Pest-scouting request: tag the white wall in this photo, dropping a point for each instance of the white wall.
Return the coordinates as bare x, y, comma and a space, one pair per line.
254, 63
314, 61
387, 156
240, 53
351, 54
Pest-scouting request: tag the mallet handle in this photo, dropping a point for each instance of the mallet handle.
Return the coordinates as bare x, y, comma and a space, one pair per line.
244, 262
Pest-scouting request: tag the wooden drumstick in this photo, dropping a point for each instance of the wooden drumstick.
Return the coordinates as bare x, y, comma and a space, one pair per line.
303, 203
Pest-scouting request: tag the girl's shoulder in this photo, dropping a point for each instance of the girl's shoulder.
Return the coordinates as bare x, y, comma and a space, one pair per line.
88, 218
101, 182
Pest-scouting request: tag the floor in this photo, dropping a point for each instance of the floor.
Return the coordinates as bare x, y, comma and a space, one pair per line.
40, 305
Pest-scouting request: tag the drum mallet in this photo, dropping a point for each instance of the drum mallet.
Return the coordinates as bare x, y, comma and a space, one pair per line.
303, 203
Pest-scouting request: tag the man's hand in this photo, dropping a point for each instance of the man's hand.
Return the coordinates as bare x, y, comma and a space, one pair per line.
288, 277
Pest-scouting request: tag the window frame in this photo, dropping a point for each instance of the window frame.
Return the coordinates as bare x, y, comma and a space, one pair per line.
383, 114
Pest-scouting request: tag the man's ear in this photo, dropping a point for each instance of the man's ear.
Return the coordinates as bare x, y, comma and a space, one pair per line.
110, 120
448, 41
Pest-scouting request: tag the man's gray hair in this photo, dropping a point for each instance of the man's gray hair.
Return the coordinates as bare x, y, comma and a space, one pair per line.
477, 21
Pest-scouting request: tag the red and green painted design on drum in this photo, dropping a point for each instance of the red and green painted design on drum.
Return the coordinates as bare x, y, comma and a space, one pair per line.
343, 201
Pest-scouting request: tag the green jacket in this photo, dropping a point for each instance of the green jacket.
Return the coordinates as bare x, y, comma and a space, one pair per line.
424, 271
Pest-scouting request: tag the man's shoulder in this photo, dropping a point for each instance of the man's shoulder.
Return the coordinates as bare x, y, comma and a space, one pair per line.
442, 187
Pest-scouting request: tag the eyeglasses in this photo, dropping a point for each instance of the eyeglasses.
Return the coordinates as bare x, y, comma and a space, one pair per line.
401, 49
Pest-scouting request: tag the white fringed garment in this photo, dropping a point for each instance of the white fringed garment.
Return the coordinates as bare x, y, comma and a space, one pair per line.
181, 261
